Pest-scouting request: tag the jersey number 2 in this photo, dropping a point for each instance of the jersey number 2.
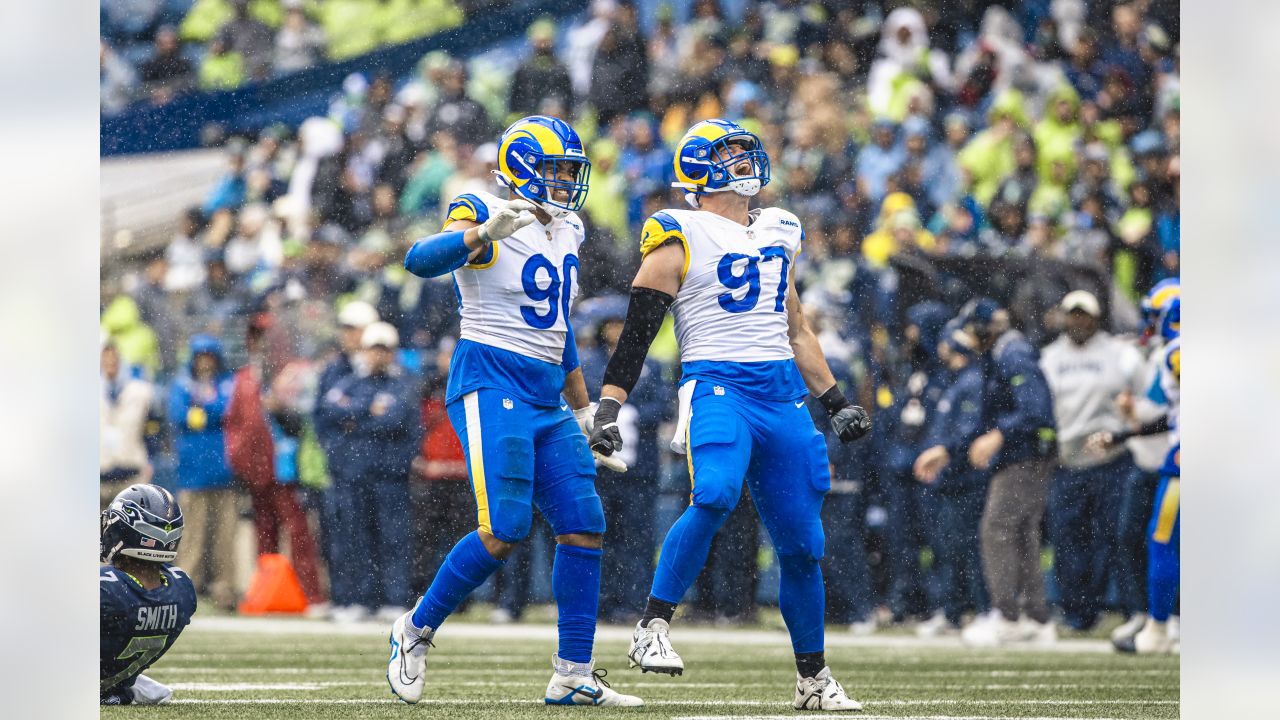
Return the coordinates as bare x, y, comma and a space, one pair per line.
556, 300
750, 278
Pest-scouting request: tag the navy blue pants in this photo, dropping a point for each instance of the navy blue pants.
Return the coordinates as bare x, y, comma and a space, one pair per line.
957, 519
631, 544
1083, 515
372, 541
844, 567
907, 506
1130, 565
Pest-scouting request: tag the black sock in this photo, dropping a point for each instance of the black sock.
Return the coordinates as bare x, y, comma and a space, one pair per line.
657, 609
810, 664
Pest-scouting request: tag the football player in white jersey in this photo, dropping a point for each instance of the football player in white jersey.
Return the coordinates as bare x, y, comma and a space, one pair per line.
747, 356
1164, 529
515, 267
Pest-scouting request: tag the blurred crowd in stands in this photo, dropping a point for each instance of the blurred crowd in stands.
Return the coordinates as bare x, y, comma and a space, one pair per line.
275, 348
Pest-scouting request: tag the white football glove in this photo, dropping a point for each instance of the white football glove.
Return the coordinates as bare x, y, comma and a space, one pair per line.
586, 417
514, 215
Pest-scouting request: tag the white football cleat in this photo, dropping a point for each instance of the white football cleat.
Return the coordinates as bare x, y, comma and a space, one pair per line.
822, 692
935, 626
1037, 633
407, 668
651, 649
1153, 639
991, 630
149, 692
389, 613
863, 628
581, 684
347, 614
1174, 628
1129, 628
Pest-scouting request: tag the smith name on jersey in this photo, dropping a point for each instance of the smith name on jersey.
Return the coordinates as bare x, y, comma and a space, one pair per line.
730, 312
139, 625
515, 303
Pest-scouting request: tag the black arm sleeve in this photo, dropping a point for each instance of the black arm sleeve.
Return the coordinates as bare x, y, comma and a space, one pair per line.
644, 317
1155, 427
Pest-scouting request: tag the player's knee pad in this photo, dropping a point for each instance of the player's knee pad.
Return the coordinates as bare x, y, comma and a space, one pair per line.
716, 490
806, 542
504, 495
580, 515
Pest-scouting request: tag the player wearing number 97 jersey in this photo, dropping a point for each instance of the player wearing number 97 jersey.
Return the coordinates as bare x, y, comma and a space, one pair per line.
515, 267
748, 360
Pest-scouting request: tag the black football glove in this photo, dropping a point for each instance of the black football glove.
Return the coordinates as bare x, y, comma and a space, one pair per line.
848, 420
605, 438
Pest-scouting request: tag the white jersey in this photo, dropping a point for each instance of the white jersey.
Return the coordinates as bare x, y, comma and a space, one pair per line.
517, 297
731, 305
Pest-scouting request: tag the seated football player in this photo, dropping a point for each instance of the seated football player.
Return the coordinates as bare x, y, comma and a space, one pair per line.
145, 601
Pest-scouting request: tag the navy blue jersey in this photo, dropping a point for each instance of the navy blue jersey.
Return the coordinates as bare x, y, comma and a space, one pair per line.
139, 625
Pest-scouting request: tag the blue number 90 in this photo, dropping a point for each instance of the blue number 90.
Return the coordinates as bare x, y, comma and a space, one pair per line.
551, 294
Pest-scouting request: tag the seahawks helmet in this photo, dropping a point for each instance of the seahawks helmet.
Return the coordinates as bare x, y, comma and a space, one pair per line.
704, 162
144, 522
529, 154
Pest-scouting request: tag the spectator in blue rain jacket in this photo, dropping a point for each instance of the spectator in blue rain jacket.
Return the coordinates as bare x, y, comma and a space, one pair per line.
197, 403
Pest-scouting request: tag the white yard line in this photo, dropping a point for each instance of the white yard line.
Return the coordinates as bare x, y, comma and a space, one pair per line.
227, 686
687, 703
860, 716
766, 638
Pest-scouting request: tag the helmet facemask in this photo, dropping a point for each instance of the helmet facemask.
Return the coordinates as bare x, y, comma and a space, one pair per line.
541, 190
721, 160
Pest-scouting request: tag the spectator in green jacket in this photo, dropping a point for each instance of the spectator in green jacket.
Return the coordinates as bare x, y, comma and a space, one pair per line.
206, 17
134, 339
222, 69
1059, 133
346, 24
988, 157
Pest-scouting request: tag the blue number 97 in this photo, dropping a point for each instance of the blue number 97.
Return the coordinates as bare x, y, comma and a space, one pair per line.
750, 277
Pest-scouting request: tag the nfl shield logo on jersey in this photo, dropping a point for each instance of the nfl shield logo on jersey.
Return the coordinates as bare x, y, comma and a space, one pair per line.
506, 403
718, 389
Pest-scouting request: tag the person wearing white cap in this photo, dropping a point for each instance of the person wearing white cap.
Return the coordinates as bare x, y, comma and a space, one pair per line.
353, 318
377, 408
1088, 369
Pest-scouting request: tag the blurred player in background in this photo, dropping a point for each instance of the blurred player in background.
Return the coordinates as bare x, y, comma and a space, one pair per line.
1163, 536
145, 602
747, 357
515, 267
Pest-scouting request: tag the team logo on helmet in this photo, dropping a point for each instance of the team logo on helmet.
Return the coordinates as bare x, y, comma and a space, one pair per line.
705, 161
534, 154
143, 521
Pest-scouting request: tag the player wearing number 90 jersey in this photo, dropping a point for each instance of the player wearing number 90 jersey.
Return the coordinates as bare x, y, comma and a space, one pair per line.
515, 267
748, 359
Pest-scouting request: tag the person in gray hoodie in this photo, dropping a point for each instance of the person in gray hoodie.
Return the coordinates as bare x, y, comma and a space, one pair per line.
1088, 369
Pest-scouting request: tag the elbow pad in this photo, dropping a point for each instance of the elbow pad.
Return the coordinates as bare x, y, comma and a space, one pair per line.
437, 254
644, 317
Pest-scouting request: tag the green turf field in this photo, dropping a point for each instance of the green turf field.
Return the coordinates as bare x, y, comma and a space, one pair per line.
245, 669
